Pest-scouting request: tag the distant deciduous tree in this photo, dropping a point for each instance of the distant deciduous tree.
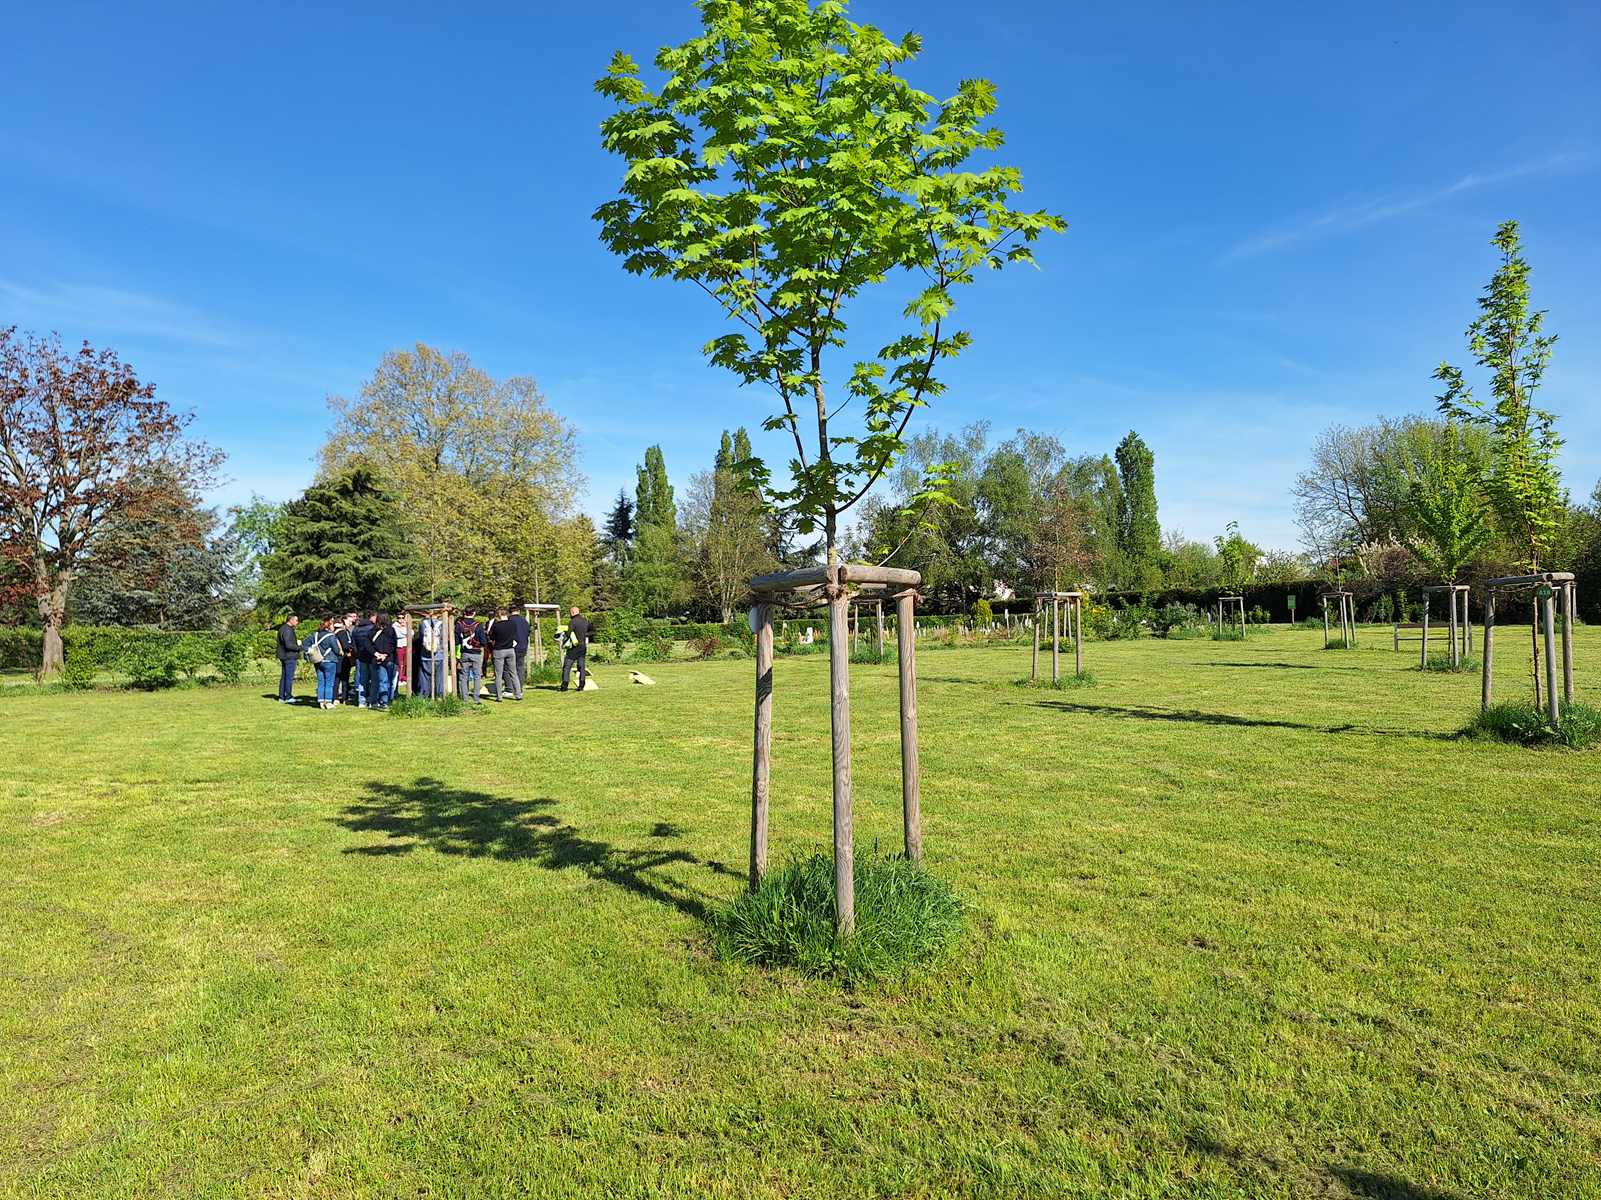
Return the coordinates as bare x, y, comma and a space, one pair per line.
78, 435
1449, 526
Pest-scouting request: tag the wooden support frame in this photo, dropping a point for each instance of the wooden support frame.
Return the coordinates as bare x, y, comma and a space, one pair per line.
445, 613
533, 612
1548, 587
1067, 617
1345, 604
1458, 627
840, 587
1234, 604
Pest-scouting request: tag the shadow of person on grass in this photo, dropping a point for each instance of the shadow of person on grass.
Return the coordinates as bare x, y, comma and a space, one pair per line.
426, 814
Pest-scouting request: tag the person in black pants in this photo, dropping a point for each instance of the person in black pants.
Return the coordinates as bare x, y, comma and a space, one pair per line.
347, 657
288, 659
385, 656
578, 631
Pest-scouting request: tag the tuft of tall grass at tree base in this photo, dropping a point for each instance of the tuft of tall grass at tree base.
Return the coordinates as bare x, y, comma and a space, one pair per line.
906, 918
1522, 723
411, 707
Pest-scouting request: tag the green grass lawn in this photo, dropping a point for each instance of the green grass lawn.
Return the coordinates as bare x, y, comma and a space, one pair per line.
1248, 921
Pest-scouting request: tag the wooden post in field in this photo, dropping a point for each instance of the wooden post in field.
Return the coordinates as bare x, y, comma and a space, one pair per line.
1548, 604
762, 757
1078, 635
1034, 662
1424, 660
911, 783
1056, 641
1570, 596
1451, 630
839, 678
1489, 649
878, 612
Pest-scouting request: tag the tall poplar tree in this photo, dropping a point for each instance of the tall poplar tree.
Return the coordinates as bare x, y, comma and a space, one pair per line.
1139, 534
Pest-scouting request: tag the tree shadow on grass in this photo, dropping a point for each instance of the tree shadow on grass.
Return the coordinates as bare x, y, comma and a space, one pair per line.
426, 814
1196, 717
1281, 666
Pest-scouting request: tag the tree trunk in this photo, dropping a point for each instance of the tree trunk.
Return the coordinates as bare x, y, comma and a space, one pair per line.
53, 617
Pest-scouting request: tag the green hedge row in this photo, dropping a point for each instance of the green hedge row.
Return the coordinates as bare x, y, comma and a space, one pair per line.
156, 657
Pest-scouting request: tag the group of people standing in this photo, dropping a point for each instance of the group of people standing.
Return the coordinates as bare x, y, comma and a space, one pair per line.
365, 656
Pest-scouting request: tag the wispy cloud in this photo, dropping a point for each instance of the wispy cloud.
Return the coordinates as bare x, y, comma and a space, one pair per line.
1351, 217
76, 310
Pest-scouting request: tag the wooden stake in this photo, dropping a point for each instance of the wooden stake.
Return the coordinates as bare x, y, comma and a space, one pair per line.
1034, 663
1570, 607
911, 796
878, 607
1423, 660
762, 756
1548, 618
1078, 636
840, 720
1534, 646
1325, 622
1455, 649
1056, 641
1489, 649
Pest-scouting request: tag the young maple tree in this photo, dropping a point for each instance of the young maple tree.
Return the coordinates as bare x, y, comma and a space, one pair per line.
78, 436
783, 165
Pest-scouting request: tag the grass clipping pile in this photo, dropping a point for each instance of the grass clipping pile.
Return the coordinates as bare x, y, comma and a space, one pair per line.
906, 919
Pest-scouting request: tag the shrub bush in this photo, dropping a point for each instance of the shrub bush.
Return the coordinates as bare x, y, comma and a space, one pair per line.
706, 647
1523, 724
906, 918
20, 649
983, 616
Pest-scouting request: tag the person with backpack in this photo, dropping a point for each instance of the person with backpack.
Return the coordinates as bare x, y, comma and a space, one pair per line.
288, 659
576, 643
503, 656
323, 653
469, 655
431, 658
520, 630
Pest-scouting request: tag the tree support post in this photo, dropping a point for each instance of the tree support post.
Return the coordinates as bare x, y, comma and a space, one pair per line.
878, 609
840, 723
1077, 611
1456, 653
762, 756
1423, 660
1570, 596
1056, 641
911, 793
1548, 606
1325, 622
1489, 650
1034, 662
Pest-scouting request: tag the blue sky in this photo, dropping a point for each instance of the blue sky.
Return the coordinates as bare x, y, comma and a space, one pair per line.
1280, 219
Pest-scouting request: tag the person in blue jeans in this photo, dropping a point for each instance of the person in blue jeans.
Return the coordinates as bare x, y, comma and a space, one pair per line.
288, 659
385, 651
326, 643
469, 655
430, 651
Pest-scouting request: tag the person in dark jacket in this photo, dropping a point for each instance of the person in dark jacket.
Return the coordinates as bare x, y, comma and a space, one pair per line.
347, 658
578, 633
288, 659
385, 653
519, 628
470, 640
503, 656
361, 641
